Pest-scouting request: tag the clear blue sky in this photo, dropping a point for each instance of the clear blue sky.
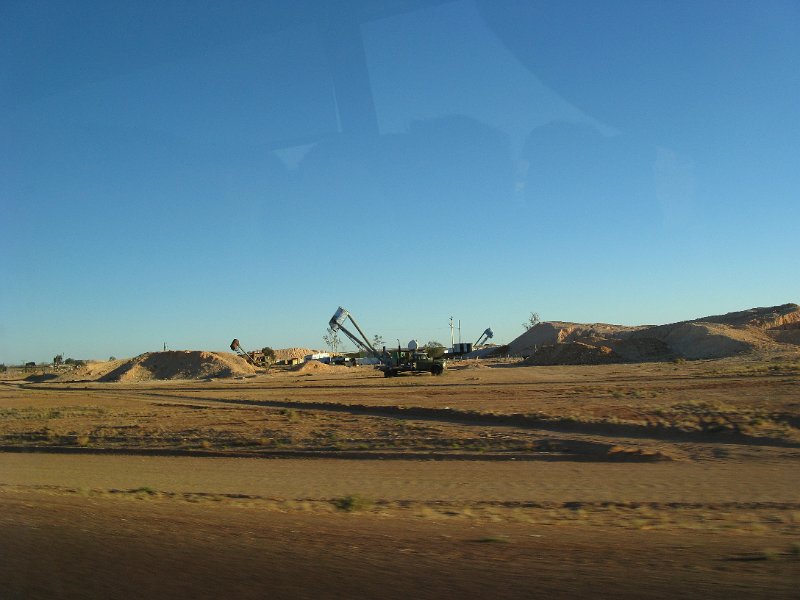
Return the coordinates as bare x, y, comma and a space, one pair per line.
188, 172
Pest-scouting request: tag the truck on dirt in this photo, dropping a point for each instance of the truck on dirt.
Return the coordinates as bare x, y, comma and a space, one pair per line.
412, 360
392, 362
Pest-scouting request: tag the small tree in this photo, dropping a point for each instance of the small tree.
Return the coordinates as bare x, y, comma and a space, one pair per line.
58, 359
112, 358
532, 321
378, 342
434, 349
269, 354
332, 340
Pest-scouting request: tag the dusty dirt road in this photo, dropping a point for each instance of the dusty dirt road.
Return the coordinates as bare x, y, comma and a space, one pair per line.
56, 546
76, 526
418, 481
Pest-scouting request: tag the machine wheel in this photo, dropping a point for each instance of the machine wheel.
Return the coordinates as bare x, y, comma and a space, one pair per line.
389, 373
437, 369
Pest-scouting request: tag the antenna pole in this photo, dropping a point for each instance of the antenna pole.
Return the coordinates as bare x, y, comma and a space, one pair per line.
452, 336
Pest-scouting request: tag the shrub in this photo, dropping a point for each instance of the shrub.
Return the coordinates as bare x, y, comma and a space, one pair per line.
352, 503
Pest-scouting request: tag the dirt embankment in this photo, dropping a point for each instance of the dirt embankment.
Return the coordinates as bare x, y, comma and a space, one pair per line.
314, 366
573, 353
699, 339
560, 332
785, 336
174, 364
771, 317
289, 353
716, 336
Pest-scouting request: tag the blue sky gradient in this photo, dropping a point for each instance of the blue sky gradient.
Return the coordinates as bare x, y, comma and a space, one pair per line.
190, 173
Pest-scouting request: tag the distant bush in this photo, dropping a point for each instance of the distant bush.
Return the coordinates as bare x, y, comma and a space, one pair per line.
290, 414
352, 503
533, 321
434, 349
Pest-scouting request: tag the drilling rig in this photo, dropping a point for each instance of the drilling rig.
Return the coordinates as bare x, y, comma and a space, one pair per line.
392, 362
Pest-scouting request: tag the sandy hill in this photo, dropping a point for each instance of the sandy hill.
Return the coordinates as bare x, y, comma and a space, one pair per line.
314, 366
560, 332
573, 353
716, 336
174, 364
287, 353
772, 317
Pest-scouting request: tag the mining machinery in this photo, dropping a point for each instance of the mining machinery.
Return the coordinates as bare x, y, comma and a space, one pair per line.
392, 362
485, 337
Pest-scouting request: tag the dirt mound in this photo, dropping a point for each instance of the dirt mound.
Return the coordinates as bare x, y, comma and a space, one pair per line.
558, 332
41, 377
299, 353
642, 349
771, 317
474, 364
695, 340
716, 336
93, 370
573, 353
314, 366
176, 364
788, 336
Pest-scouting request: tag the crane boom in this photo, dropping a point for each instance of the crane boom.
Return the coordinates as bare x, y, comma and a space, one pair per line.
485, 337
337, 324
408, 360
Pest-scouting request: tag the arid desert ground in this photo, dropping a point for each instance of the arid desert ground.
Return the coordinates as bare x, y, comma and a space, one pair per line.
671, 479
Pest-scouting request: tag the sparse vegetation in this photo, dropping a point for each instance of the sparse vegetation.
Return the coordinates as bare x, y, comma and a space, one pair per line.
492, 539
533, 321
332, 340
291, 414
352, 503
434, 349
269, 354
